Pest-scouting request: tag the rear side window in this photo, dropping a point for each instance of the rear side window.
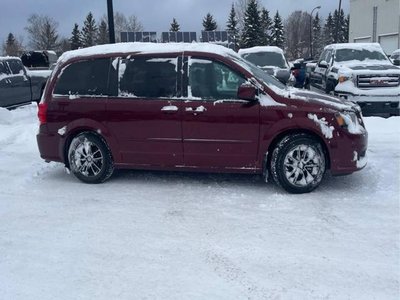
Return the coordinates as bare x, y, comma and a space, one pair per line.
148, 77
89, 77
16, 67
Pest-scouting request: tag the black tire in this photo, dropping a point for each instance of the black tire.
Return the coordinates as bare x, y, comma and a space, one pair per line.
298, 163
90, 158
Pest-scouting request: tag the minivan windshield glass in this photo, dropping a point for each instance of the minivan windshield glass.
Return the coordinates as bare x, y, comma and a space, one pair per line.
269, 80
358, 54
266, 59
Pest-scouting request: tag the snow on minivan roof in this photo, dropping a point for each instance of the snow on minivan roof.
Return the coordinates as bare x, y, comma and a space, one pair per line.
146, 48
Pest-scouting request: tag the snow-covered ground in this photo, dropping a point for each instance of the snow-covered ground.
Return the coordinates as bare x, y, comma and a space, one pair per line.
160, 235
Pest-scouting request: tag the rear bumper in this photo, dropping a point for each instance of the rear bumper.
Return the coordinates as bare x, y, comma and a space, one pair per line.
349, 153
375, 105
48, 145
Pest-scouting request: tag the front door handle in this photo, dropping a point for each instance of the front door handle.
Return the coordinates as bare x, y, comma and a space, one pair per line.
169, 109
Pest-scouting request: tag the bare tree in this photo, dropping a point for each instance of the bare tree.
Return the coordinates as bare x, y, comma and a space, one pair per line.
42, 31
297, 31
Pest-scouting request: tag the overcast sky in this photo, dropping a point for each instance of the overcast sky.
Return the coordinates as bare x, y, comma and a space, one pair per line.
155, 15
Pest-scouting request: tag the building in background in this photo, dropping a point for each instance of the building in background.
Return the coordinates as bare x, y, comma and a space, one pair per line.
375, 21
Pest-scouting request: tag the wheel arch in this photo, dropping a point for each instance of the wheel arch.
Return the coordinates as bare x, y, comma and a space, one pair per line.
274, 142
73, 133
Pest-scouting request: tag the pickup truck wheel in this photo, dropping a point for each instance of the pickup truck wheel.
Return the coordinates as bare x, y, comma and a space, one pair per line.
298, 163
90, 159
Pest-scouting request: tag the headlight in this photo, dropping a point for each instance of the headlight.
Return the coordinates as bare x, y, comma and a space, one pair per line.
349, 121
343, 78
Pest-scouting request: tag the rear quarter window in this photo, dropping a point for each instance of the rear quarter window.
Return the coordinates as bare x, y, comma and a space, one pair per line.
89, 77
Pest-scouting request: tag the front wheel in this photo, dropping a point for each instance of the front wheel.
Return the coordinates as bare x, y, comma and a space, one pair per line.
298, 163
89, 158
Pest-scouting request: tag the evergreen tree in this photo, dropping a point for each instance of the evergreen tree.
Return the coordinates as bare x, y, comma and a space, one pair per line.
175, 26
12, 46
329, 30
341, 34
76, 39
89, 31
232, 27
252, 33
102, 35
266, 26
317, 37
209, 23
277, 32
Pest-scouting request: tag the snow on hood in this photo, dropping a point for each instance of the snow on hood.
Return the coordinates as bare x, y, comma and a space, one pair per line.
322, 100
261, 49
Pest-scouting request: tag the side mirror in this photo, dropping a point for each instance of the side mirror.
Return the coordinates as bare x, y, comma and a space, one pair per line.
396, 62
323, 64
246, 92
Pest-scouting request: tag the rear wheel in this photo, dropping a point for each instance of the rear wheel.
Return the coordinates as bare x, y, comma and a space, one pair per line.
298, 163
89, 158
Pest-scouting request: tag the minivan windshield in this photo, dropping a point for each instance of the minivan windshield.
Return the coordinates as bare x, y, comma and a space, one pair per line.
266, 59
359, 54
269, 80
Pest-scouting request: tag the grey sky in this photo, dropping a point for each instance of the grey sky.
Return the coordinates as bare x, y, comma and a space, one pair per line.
155, 15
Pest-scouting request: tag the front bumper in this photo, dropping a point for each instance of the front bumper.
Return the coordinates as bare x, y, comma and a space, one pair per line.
375, 105
348, 153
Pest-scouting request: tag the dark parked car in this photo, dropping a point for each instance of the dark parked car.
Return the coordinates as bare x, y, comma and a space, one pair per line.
270, 59
39, 60
196, 107
17, 85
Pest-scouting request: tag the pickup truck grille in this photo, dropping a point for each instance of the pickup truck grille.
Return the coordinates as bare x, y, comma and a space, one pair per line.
374, 81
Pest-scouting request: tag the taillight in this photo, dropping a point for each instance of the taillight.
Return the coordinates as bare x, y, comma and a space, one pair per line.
42, 113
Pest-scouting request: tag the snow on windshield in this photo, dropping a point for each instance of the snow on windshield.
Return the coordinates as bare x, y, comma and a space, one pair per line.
359, 54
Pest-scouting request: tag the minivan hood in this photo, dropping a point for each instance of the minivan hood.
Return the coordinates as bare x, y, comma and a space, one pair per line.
323, 101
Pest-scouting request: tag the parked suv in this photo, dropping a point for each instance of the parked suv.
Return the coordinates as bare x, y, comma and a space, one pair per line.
270, 59
196, 107
360, 72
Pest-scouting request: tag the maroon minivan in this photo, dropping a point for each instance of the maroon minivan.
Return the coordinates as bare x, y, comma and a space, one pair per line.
196, 107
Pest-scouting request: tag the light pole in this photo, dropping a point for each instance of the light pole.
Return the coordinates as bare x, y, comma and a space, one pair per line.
311, 25
111, 21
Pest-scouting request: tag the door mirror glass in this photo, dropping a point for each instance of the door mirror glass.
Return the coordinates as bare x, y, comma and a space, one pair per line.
247, 92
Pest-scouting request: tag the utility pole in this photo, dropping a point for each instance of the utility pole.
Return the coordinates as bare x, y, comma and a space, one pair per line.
111, 21
337, 22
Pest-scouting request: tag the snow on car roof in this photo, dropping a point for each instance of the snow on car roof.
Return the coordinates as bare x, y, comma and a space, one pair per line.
2, 58
356, 46
260, 49
146, 48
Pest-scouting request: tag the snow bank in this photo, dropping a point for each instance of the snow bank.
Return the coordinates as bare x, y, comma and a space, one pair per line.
6, 116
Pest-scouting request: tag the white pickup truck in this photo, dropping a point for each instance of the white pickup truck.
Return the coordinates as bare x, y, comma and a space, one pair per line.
362, 73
